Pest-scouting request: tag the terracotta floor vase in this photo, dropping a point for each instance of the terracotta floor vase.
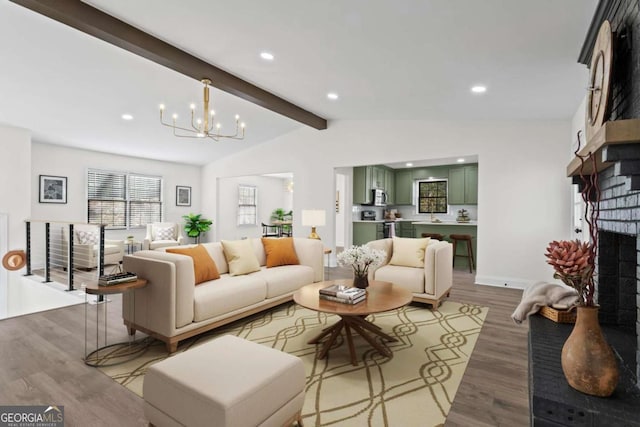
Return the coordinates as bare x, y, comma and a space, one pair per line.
588, 362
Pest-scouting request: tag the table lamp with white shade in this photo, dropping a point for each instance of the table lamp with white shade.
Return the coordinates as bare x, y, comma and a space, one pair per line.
313, 218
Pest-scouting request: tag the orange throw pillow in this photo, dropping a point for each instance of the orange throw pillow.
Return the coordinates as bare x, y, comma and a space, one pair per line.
204, 267
280, 252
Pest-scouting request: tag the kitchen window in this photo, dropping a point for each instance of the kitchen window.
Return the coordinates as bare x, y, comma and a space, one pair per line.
123, 200
247, 205
432, 196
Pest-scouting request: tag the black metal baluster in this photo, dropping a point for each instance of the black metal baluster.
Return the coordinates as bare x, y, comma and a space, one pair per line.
70, 259
28, 229
47, 255
101, 260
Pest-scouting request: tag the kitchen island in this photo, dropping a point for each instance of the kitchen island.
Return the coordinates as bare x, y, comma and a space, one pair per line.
447, 228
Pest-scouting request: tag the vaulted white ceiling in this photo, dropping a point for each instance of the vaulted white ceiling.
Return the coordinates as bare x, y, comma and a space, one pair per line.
404, 59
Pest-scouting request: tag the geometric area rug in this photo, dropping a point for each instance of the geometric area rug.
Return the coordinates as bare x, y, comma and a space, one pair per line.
414, 387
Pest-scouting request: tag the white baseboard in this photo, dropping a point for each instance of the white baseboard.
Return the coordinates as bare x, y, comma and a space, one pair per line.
504, 282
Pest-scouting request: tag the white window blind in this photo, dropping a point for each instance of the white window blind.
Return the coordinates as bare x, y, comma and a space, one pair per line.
247, 205
123, 200
106, 198
145, 200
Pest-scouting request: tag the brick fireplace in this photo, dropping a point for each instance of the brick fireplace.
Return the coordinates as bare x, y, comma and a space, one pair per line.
553, 401
618, 263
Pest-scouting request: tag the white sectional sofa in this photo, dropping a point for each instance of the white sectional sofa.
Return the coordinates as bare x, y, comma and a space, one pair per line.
430, 283
172, 308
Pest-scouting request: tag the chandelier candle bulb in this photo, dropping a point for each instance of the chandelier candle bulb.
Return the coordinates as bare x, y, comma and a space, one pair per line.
202, 127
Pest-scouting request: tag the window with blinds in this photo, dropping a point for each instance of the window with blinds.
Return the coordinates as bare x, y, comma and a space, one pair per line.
123, 200
247, 205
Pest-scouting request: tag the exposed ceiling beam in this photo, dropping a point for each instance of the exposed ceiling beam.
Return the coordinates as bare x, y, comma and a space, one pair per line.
90, 20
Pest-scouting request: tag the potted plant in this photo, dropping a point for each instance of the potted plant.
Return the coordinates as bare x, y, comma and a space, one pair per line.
279, 215
195, 225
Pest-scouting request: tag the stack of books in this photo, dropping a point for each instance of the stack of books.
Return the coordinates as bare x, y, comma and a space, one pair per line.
116, 278
343, 294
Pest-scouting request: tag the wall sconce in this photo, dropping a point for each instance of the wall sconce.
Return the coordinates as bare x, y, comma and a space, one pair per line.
313, 218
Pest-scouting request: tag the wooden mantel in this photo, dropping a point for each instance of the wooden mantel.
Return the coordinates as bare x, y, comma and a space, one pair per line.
611, 133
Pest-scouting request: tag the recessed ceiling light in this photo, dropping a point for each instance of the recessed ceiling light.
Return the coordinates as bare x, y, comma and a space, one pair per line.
332, 96
266, 56
409, 164
461, 160
479, 89
127, 117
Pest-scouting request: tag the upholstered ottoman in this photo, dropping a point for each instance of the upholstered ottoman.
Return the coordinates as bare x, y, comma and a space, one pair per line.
228, 381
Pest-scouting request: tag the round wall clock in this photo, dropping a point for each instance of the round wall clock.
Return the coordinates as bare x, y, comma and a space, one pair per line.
599, 79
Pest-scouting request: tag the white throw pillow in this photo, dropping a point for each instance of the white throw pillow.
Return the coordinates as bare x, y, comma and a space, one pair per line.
408, 252
164, 233
240, 257
87, 237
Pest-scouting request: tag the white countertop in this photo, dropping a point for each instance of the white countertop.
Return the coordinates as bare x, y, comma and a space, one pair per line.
467, 224
418, 222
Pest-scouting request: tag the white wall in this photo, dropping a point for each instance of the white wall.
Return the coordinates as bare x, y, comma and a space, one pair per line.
15, 165
272, 194
73, 163
523, 194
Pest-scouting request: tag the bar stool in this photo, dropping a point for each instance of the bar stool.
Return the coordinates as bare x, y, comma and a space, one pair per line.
436, 236
463, 238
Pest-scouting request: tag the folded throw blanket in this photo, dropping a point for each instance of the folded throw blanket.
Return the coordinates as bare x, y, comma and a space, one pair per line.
541, 294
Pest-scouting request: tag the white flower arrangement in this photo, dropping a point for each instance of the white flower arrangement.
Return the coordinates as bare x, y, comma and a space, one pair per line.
361, 258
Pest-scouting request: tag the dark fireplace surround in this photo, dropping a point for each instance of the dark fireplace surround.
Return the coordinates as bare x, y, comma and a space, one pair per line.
618, 262
552, 401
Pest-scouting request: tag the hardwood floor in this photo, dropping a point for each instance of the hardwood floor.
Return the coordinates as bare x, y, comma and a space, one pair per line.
41, 364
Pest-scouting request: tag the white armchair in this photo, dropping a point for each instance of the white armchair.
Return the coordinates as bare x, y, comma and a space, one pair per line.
86, 248
162, 234
430, 283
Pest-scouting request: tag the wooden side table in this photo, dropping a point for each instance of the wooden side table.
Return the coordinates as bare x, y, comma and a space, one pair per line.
111, 354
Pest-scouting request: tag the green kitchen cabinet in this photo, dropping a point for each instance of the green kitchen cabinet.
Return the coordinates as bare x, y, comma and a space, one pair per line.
366, 178
404, 187
390, 185
420, 173
456, 186
362, 185
435, 172
364, 232
463, 185
378, 177
471, 185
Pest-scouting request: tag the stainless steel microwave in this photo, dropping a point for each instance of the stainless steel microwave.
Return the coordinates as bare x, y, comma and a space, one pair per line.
378, 197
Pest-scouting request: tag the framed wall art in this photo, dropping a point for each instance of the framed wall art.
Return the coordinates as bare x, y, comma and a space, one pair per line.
53, 189
183, 195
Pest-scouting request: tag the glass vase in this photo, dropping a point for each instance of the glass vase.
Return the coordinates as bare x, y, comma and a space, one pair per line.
361, 281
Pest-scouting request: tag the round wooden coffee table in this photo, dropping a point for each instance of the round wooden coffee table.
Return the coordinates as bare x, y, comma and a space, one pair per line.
381, 297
